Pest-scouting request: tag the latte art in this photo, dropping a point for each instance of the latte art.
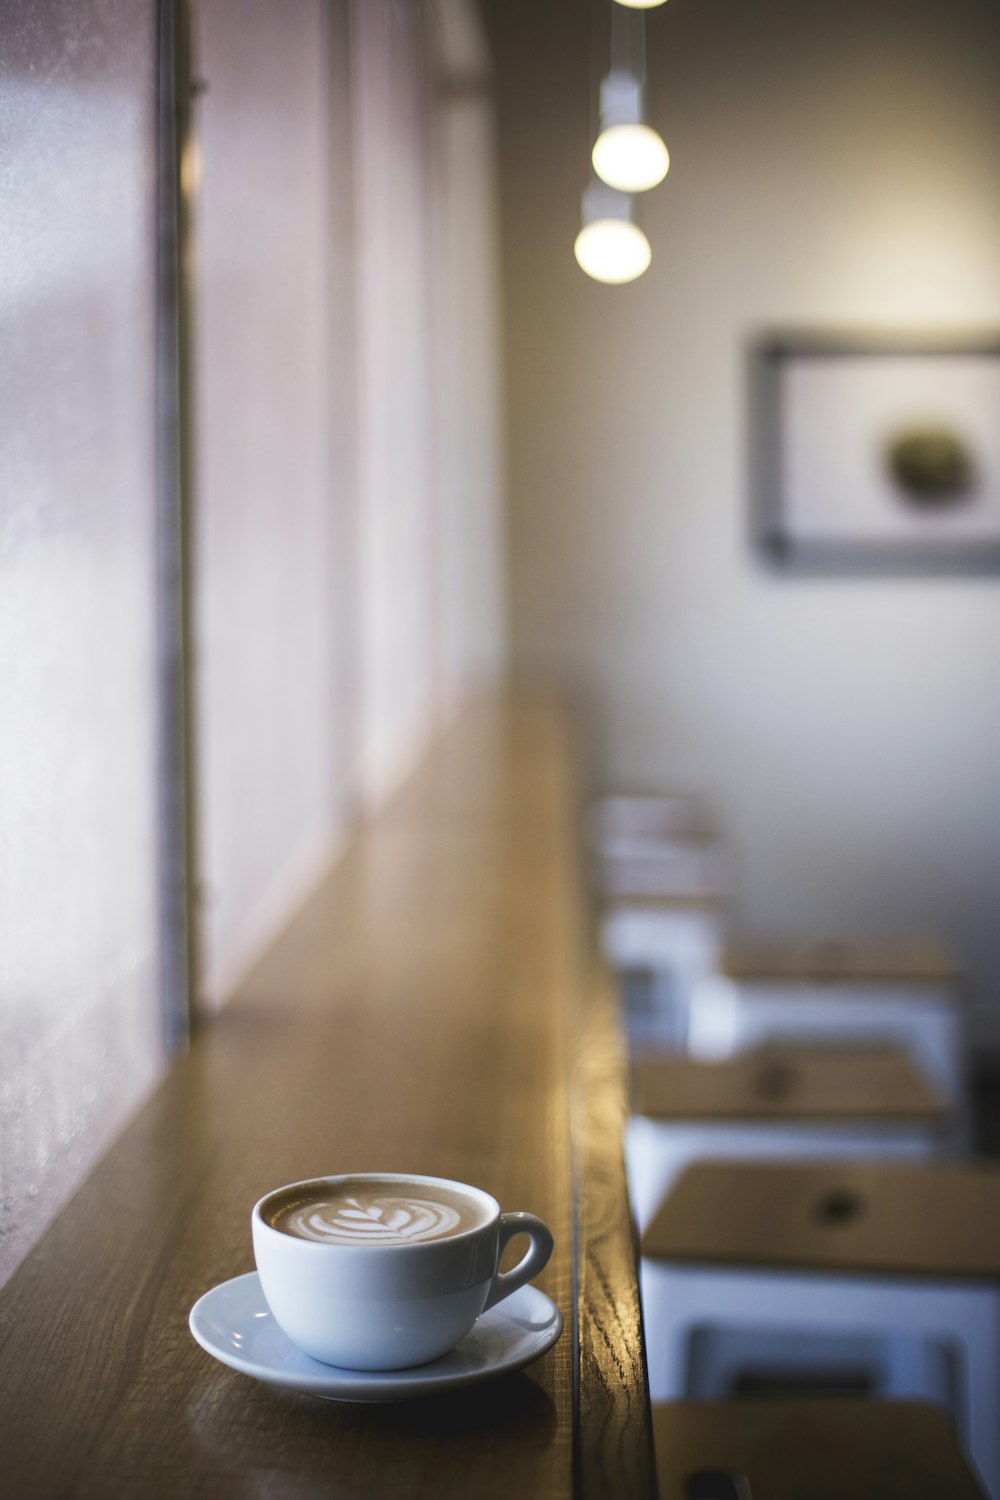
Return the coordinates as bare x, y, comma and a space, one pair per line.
373, 1211
385, 1221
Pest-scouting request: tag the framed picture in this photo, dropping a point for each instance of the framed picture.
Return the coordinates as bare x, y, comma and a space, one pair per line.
877, 452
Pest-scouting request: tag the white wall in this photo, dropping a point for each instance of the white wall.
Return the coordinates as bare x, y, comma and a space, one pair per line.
470, 616
395, 458
431, 621
832, 165
348, 499
269, 808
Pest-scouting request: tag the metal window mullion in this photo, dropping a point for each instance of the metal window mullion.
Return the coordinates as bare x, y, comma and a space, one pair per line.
175, 748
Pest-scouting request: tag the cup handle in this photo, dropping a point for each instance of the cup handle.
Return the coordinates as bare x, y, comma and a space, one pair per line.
534, 1259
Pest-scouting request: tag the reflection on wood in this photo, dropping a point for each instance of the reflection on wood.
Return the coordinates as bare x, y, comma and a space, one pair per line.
613, 1434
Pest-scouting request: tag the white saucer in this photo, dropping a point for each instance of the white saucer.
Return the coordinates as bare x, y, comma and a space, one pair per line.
234, 1323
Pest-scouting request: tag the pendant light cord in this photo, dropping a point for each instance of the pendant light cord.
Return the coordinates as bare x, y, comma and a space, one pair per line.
628, 42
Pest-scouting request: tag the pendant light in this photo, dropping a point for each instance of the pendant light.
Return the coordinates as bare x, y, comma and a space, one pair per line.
627, 154
641, 4
610, 247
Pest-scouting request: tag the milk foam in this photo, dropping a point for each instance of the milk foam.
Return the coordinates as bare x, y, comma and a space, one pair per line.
380, 1219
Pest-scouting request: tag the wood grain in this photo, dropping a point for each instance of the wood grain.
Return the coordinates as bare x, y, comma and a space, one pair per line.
788, 1450
933, 1220
419, 1015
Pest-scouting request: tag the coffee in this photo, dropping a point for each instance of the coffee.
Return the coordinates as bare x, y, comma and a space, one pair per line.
374, 1211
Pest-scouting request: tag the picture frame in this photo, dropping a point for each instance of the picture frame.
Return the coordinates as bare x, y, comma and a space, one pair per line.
876, 451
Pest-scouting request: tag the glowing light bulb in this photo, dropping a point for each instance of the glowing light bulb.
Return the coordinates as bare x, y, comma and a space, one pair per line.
612, 250
642, 4
628, 154
631, 158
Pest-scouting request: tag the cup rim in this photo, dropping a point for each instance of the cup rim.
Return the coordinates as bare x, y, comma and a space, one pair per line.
257, 1215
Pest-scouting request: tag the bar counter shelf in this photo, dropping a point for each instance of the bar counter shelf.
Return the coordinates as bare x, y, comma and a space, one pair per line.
437, 1008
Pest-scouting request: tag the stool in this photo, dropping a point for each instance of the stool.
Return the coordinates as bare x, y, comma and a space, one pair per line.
633, 820
894, 1291
906, 993
772, 1102
791, 1450
659, 846
662, 949
688, 869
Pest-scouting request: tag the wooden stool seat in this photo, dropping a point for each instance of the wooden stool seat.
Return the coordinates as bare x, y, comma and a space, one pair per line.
933, 1220
872, 1084
790, 1450
641, 903
919, 961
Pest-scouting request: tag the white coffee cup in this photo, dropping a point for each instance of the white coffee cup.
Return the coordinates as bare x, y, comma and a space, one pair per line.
386, 1304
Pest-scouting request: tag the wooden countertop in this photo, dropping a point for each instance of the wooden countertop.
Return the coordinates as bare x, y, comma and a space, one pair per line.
787, 1450
913, 961
819, 1084
934, 1220
434, 1008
